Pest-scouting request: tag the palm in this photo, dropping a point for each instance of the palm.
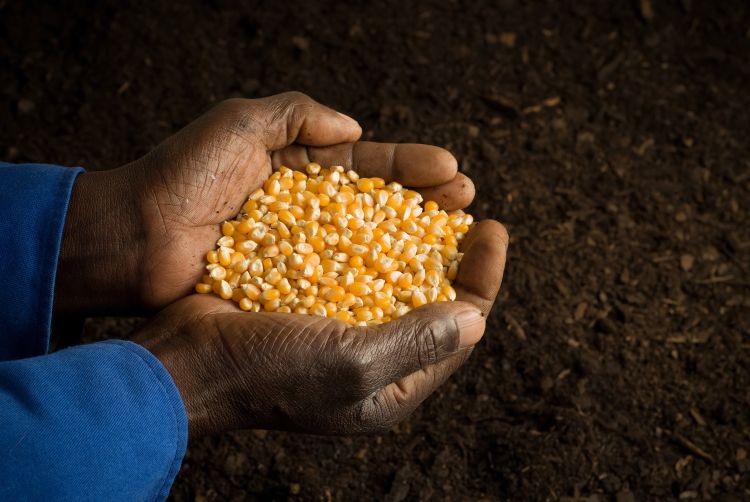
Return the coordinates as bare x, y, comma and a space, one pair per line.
202, 176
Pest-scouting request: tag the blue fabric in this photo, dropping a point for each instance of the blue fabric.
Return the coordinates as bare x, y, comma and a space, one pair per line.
96, 422
102, 421
33, 205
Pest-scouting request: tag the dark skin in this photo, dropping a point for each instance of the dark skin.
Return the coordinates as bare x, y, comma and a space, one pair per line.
135, 240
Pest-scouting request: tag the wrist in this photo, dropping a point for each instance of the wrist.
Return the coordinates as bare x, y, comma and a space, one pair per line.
97, 269
197, 386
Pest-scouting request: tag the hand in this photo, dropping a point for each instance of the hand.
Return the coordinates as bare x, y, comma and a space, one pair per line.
137, 236
310, 374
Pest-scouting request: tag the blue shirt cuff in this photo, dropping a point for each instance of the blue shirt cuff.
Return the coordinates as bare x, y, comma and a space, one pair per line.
102, 421
32, 216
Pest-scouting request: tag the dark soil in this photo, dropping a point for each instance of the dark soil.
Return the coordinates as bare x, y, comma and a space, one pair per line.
610, 137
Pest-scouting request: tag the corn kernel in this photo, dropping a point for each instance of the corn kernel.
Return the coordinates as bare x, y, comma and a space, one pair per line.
202, 288
359, 289
418, 299
218, 273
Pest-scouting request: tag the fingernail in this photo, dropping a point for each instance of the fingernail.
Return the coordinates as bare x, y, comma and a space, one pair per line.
470, 326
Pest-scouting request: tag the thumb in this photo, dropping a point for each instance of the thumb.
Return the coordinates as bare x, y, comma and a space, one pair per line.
421, 338
293, 117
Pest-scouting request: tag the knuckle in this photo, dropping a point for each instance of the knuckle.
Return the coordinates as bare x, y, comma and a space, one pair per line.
357, 371
238, 115
427, 338
294, 104
294, 97
232, 103
375, 417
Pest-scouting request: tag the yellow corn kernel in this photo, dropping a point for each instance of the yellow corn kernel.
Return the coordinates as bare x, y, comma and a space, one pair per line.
247, 247
270, 294
365, 185
272, 187
270, 251
225, 256
286, 217
449, 292
393, 276
202, 288
359, 289
355, 223
432, 278
335, 294
381, 299
452, 271
284, 286
218, 273
347, 301
237, 295
363, 314
296, 261
251, 291
405, 280
236, 258
343, 315
319, 310
273, 276
227, 228
418, 298
303, 248
223, 289
317, 243
312, 259
285, 248
419, 278
331, 309
286, 183
272, 305
430, 239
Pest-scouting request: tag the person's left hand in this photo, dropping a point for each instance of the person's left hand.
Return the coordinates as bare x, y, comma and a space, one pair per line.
305, 373
136, 237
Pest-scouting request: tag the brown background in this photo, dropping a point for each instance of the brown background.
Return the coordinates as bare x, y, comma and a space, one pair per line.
610, 137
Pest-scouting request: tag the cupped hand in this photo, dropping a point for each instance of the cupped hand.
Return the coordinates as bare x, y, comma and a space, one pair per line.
312, 374
137, 235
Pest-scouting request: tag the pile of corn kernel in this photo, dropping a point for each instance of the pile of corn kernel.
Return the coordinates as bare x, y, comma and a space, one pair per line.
332, 244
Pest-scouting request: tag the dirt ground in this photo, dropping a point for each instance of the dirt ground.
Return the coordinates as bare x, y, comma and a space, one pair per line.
610, 137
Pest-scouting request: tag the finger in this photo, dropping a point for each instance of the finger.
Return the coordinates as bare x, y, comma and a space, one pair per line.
481, 271
418, 340
396, 401
456, 194
293, 117
412, 165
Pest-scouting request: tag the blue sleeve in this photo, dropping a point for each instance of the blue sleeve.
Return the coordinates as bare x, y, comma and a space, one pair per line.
95, 422
33, 206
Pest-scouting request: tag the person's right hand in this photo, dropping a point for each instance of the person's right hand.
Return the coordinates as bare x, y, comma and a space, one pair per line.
238, 370
136, 236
